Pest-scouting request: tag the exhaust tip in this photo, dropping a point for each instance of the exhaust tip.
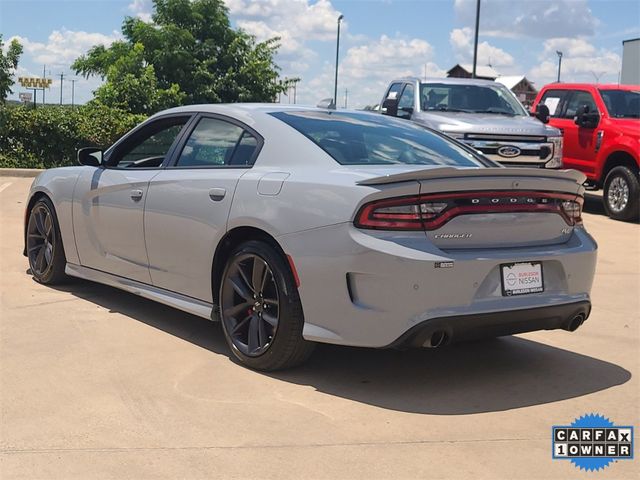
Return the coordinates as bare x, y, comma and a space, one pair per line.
575, 322
438, 339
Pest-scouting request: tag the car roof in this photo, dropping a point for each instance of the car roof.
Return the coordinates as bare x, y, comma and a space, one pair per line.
252, 114
601, 86
447, 81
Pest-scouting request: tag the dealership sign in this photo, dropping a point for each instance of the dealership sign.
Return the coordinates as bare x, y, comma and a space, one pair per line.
34, 82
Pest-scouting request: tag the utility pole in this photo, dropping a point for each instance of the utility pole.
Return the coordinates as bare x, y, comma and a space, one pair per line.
346, 95
335, 84
294, 85
73, 92
44, 75
61, 80
559, 53
475, 40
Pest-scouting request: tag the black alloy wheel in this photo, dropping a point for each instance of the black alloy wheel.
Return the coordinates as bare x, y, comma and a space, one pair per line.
260, 309
251, 301
44, 244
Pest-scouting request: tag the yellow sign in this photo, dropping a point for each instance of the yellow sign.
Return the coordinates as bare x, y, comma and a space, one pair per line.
34, 82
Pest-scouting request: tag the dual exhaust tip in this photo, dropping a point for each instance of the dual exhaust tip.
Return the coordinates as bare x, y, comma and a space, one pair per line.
440, 338
573, 324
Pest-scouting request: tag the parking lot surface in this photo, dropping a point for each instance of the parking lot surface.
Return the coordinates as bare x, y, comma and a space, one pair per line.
99, 383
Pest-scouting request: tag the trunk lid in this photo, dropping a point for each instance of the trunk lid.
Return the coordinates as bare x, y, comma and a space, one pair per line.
493, 207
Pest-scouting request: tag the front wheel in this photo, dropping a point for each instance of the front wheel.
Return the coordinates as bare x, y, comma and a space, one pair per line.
260, 309
622, 194
44, 244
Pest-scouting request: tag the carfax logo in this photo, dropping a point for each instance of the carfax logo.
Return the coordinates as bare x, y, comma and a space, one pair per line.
592, 442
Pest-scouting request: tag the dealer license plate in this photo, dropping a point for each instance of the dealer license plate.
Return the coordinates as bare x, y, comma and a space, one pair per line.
521, 278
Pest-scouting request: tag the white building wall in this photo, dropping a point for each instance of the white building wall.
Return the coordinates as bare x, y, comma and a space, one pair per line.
630, 62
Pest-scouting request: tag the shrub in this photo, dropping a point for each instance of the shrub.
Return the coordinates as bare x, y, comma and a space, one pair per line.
49, 136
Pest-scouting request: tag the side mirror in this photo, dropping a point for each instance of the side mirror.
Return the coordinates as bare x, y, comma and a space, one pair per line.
90, 156
405, 112
390, 107
586, 118
542, 113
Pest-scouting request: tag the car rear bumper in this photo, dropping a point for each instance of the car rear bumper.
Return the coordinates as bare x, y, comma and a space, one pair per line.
441, 331
367, 288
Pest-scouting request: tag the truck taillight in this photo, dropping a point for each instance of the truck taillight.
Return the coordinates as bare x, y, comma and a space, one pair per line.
430, 212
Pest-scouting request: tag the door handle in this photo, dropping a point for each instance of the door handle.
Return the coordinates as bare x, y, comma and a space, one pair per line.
136, 194
217, 194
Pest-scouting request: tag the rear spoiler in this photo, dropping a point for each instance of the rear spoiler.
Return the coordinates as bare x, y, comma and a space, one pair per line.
451, 172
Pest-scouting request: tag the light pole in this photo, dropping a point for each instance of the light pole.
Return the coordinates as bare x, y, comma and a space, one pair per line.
559, 63
475, 40
73, 92
61, 80
335, 83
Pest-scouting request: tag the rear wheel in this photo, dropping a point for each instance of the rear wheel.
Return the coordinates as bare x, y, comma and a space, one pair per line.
44, 244
622, 194
260, 309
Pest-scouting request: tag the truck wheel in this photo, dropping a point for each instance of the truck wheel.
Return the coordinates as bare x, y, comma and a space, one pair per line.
622, 194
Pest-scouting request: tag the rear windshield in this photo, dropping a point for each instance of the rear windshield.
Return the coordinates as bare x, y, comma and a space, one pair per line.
372, 139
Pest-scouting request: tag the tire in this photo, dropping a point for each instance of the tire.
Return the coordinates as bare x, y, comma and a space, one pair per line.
260, 309
622, 194
44, 244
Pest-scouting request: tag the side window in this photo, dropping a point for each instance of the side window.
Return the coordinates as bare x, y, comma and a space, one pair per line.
577, 99
148, 147
553, 100
394, 91
406, 99
213, 143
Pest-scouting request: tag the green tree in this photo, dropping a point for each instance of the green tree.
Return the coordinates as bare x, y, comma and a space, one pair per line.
193, 54
132, 85
8, 63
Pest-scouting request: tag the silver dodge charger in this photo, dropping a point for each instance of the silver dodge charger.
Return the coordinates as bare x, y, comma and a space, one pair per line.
295, 225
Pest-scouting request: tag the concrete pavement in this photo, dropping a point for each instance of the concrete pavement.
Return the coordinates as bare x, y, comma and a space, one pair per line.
98, 383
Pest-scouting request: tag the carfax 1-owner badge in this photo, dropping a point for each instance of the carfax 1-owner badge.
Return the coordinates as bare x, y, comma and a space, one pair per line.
592, 442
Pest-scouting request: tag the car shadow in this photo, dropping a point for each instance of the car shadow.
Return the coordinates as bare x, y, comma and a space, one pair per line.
487, 376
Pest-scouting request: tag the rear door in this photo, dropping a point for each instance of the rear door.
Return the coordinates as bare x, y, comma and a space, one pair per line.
108, 222
189, 202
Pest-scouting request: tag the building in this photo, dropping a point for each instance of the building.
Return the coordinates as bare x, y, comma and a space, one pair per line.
520, 86
630, 74
484, 72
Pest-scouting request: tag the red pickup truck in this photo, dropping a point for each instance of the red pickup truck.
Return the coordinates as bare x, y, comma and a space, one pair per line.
601, 129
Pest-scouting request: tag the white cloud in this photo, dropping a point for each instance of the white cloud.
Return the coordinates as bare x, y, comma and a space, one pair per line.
296, 22
461, 40
300, 18
141, 9
533, 18
64, 46
367, 69
581, 62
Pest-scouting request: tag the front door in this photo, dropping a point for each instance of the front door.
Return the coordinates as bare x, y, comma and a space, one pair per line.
109, 200
579, 148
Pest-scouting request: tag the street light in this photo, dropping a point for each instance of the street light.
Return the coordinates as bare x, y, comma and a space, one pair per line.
335, 84
559, 63
475, 40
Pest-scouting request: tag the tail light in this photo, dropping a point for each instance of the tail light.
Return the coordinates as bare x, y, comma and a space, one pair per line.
430, 212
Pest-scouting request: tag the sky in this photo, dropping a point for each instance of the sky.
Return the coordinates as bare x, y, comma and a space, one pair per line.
380, 39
